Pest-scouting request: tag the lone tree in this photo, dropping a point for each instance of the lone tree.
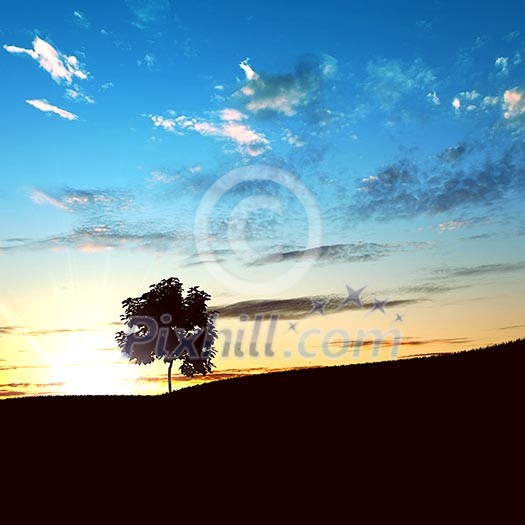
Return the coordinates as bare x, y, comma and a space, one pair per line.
165, 324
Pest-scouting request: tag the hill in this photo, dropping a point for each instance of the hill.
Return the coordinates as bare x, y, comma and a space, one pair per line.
436, 414
483, 381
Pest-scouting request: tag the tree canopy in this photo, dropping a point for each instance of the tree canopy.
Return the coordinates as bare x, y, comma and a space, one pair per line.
163, 323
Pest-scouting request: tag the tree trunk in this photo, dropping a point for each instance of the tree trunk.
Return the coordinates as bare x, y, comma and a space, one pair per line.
169, 376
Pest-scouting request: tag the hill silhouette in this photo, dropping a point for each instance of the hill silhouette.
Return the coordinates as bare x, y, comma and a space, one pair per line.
434, 415
487, 380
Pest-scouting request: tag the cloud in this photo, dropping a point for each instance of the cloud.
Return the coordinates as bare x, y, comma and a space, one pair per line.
61, 67
467, 101
71, 199
292, 139
390, 81
165, 123
92, 239
247, 140
455, 153
149, 61
248, 71
148, 13
480, 270
334, 253
453, 225
39, 197
46, 107
160, 176
513, 35
270, 95
8, 330
294, 308
78, 95
232, 115
433, 98
514, 103
502, 65
403, 190
81, 19
513, 327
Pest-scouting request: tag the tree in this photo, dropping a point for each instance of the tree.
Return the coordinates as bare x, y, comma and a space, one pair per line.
165, 324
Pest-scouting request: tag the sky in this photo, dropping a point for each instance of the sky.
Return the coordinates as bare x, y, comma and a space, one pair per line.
355, 169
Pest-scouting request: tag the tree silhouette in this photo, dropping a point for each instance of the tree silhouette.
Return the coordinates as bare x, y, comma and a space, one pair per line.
165, 324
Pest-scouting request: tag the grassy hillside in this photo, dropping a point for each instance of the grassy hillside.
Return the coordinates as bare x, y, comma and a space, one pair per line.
486, 374
424, 407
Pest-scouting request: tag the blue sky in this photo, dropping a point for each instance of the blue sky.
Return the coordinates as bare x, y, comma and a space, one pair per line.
401, 124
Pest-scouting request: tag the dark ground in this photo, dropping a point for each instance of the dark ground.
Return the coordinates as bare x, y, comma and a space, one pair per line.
480, 388
440, 421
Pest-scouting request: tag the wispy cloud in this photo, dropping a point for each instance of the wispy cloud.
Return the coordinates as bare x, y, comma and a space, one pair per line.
333, 253
46, 107
149, 61
100, 238
247, 140
390, 81
480, 270
71, 199
294, 308
61, 67
78, 95
81, 19
148, 13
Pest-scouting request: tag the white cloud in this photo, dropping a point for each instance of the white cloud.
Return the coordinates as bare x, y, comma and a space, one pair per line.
162, 177
453, 225
107, 85
433, 97
502, 65
61, 67
285, 103
514, 103
195, 169
292, 139
39, 197
248, 71
286, 94
490, 101
166, 123
230, 114
248, 141
466, 100
43, 105
78, 95
218, 87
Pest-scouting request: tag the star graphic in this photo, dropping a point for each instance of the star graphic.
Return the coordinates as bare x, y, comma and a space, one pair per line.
399, 318
353, 297
379, 305
317, 306
292, 327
